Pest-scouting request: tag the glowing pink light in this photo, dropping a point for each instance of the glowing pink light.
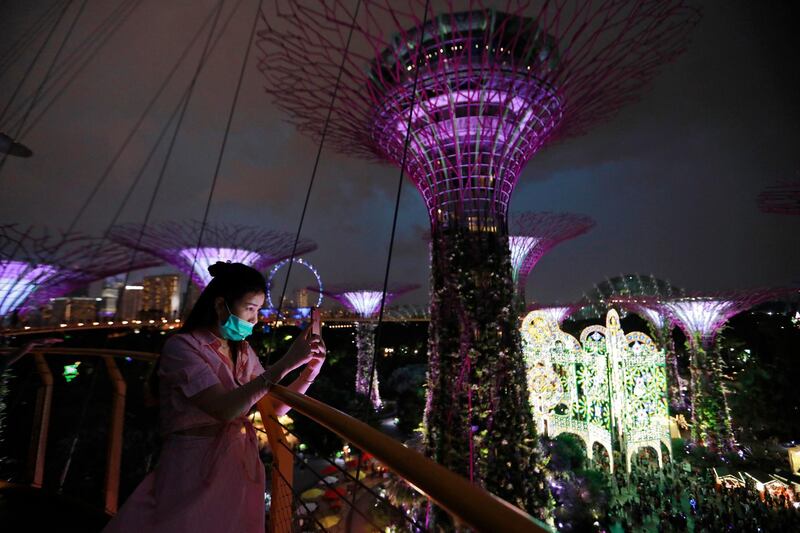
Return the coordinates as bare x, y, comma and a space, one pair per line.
520, 246
18, 280
208, 256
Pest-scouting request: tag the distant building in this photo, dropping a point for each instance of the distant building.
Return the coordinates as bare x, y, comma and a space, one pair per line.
160, 297
73, 309
110, 297
131, 305
302, 298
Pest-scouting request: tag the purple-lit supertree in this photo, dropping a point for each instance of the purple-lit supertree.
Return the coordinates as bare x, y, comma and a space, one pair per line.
701, 317
535, 234
781, 199
36, 266
365, 303
556, 312
461, 100
177, 244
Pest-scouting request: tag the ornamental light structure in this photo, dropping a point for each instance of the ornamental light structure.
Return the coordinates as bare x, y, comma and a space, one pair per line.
36, 266
781, 199
365, 303
661, 326
461, 100
535, 234
701, 317
177, 244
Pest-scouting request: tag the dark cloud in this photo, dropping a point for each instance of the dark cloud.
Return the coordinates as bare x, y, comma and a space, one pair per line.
671, 181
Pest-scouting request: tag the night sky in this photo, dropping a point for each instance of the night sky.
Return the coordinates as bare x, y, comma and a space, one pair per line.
672, 181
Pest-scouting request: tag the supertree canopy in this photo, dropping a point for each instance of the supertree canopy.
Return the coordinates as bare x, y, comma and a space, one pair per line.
781, 199
701, 317
36, 266
461, 100
177, 244
365, 303
556, 313
535, 234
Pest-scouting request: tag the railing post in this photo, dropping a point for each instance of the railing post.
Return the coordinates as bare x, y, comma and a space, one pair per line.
280, 514
114, 455
41, 421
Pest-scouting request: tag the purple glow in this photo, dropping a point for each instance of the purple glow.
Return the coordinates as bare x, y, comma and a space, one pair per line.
535, 234
702, 316
177, 243
208, 256
557, 313
363, 303
18, 280
521, 246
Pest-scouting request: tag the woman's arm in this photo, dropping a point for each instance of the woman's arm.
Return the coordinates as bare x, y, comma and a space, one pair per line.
227, 405
302, 383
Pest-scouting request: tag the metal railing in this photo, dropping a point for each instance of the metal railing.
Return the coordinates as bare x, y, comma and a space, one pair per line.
466, 502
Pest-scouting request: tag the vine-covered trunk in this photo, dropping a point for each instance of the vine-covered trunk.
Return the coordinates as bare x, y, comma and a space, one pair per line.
478, 421
711, 423
365, 353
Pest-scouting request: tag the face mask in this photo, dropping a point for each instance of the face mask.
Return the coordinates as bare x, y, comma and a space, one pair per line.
235, 329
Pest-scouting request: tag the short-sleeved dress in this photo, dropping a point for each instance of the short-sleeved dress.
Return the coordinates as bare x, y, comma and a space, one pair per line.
214, 484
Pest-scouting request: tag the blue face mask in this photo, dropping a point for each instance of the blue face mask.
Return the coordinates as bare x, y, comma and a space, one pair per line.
235, 329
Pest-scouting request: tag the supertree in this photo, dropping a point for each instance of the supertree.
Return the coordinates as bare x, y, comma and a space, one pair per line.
781, 199
177, 244
701, 317
365, 303
36, 266
535, 234
555, 312
460, 100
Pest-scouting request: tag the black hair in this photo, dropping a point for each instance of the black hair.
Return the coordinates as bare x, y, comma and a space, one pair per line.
231, 281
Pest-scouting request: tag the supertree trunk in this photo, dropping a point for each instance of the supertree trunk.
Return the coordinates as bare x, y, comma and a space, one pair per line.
478, 421
677, 397
711, 423
365, 348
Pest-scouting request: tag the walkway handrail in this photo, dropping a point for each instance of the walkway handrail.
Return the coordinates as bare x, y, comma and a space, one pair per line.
92, 352
467, 502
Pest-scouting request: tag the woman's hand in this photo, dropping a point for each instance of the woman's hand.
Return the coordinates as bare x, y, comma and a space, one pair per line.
305, 348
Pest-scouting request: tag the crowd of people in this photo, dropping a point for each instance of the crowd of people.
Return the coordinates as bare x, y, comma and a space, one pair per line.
675, 499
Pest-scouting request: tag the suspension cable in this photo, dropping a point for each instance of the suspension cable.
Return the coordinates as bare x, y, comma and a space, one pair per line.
94, 43
34, 61
28, 36
175, 133
146, 111
400, 179
47, 74
317, 158
221, 154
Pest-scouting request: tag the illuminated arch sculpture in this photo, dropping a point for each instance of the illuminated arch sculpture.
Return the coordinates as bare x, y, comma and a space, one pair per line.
608, 387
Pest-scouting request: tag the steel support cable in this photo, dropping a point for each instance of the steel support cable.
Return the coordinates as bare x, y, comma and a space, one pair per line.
309, 512
146, 111
28, 36
344, 471
94, 43
163, 132
34, 61
406, 143
168, 156
352, 503
317, 158
47, 74
224, 144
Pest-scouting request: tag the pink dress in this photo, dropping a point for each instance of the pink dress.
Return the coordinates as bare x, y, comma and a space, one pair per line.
213, 484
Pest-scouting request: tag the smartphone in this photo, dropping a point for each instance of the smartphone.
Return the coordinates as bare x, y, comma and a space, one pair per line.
316, 322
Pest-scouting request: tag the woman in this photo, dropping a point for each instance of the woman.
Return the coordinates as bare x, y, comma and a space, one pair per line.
209, 476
